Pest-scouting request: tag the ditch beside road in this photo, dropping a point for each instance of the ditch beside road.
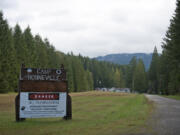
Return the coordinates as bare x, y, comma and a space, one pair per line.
166, 117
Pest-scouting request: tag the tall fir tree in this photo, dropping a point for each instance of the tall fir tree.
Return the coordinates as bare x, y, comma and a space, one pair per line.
89, 80
164, 69
32, 52
20, 45
154, 72
42, 57
130, 73
171, 47
140, 77
8, 71
118, 79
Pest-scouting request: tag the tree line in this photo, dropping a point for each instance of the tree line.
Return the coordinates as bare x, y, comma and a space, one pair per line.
164, 73
83, 73
19, 46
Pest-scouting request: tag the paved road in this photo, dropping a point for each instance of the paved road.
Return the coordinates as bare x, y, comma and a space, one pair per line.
166, 118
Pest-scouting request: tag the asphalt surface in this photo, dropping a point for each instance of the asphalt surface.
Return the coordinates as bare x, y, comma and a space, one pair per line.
166, 116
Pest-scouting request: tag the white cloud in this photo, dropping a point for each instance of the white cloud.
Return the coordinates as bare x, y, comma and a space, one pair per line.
94, 27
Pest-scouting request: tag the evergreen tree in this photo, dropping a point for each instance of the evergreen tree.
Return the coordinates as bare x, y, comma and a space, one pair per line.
171, 48
20, 46
42, 57
90, 80
118, 79
122, 82
130, 73
163, 74
70, 74
154, 72
7, 58
140, 78
32, 52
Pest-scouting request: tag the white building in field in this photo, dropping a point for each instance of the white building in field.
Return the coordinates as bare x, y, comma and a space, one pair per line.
125, 90
113, 89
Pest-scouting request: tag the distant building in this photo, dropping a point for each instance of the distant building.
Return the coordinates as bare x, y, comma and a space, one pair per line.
113, 89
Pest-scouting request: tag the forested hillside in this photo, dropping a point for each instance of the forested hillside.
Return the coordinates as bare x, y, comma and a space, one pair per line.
125, 58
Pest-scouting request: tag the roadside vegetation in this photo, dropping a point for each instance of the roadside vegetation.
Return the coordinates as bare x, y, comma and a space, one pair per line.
94, 113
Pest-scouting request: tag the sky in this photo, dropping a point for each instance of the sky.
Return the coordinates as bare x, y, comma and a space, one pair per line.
94, 27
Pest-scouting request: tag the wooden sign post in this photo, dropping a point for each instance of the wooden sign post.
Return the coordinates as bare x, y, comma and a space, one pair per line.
43, 93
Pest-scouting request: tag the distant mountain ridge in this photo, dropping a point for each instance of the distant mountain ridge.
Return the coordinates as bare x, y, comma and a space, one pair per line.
125, 58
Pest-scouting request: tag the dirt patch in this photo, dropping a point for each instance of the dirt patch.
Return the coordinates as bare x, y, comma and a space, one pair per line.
7, 101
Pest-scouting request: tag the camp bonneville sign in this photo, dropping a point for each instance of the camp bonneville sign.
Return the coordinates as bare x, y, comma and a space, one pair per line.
43, 93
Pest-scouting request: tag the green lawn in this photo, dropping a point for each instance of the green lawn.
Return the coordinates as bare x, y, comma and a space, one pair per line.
94, 113
177, 97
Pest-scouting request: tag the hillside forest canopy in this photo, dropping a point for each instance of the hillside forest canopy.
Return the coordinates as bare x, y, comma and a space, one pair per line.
19, 46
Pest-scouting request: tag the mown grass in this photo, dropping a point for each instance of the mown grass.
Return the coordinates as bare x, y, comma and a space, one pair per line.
177, 97
94, 113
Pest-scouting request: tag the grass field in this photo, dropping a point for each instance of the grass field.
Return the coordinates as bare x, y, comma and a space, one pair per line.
177, 97
94, 113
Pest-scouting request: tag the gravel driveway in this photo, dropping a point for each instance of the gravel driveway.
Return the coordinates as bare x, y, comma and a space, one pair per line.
166, 118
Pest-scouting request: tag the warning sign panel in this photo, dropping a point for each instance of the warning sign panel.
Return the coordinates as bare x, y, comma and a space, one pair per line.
43, 96
42, 104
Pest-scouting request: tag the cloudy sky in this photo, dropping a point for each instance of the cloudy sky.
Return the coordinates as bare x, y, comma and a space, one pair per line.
94, 27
